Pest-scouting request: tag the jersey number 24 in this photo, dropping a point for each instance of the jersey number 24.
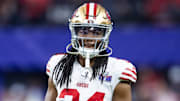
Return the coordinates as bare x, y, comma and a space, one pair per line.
98, 96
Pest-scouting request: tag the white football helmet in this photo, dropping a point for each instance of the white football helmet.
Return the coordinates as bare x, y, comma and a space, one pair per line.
90, 18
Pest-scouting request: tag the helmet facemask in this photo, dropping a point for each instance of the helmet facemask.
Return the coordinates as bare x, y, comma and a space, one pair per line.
90, 39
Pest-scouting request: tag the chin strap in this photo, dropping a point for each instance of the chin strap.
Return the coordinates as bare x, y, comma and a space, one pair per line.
67, 50
108, 54
87, 55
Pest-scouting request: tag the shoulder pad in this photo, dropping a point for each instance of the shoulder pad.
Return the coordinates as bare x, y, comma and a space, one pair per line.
53, 61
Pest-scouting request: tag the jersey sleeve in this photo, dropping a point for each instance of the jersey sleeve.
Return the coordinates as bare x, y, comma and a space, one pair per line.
128, 72
53, 61
123, 70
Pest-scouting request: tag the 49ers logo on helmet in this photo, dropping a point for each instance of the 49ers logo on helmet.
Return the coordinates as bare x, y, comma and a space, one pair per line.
90, 21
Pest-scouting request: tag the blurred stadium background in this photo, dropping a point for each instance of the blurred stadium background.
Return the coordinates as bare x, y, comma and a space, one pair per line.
146, 32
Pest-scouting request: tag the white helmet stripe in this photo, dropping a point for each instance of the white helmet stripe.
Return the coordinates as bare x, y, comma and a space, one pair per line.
91, 11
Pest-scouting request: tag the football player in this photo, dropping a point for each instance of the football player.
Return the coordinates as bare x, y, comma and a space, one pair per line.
87, 72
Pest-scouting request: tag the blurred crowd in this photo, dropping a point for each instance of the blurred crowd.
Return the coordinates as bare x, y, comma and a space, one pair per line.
20, 86
23, 12
157, 83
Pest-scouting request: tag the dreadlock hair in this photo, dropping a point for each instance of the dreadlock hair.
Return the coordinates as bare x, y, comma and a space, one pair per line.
63, 70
